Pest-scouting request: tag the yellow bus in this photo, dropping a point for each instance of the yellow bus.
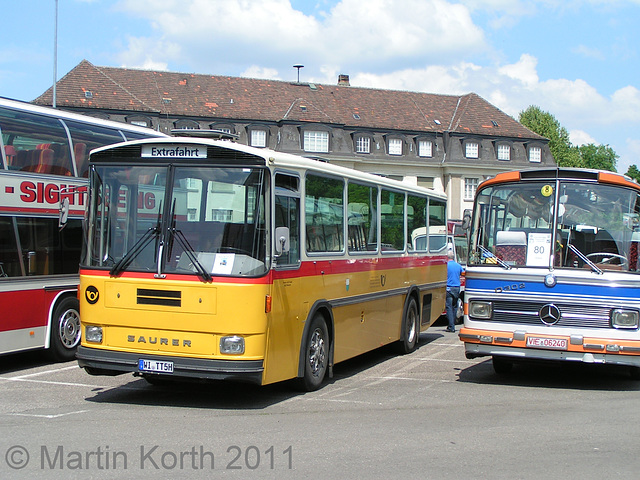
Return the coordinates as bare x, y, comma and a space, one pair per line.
212, 260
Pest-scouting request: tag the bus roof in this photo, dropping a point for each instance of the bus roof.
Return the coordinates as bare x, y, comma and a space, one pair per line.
562, 173
66, 115
275, 159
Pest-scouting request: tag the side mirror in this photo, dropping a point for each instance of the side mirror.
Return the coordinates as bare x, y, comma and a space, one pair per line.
282, 240
466, 219
64, 213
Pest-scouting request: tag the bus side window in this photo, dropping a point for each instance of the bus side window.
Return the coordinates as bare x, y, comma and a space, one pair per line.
287, 215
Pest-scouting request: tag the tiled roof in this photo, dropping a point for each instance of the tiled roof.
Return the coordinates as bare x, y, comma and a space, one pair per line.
248, 99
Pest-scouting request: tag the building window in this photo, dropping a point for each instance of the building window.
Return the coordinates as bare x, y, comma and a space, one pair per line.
471, 150
186, 124
258, 138
139, 120
395, 146
425, 148
470, 187
426, 182
221, 215
504, 152
535, 154
316, 141
363, 144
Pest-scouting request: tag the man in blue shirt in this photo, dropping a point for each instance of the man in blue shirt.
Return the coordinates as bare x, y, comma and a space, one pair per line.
454, 270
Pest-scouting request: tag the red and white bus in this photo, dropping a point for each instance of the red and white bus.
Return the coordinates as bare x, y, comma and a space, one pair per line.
44, 159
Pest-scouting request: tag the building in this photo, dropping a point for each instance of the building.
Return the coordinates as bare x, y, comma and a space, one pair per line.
446, 142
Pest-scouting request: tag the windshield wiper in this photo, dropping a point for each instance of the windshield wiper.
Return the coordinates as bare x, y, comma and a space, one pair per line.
186, 246
584, 258
188, 249
488, 254
125, 261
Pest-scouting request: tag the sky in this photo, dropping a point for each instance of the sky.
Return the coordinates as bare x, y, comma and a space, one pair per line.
576, 59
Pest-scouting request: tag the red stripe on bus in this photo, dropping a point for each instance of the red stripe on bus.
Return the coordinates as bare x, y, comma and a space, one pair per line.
308, 268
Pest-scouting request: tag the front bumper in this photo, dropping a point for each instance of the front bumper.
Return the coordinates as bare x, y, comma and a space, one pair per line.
107, 362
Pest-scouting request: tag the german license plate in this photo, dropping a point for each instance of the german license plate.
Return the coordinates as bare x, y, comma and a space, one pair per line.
155, 366
546, 342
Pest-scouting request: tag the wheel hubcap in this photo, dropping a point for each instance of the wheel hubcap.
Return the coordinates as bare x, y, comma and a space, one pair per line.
70, 328
317, 352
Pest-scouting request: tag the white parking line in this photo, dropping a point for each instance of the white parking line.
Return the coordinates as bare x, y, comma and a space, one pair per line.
45, 372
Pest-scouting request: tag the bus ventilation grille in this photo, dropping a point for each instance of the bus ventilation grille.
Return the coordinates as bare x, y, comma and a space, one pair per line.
166, 298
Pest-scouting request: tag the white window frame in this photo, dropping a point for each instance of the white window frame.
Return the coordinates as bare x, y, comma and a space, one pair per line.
315, 141
363, 144
470, 188
535, 154
259, 138
395, 146
503, 152
425, 148
472, 150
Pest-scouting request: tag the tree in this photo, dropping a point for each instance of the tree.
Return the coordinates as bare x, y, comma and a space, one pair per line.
634, 173
600, 157
545, 124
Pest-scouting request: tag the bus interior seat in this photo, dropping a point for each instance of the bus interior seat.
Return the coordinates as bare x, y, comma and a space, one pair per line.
633, 251
80, 154
10, 155
511, 246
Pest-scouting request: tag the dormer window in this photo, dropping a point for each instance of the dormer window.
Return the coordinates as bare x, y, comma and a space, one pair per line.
395, 146
503, 152
315, 141
425, 148
535, 154
258, 138
471, 150
363, 144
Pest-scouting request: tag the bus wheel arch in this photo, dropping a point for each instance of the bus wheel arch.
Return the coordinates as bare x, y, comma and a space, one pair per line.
65, 329
316, 348
410, 326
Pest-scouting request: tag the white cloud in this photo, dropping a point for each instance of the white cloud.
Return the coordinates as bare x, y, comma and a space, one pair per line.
387, 34
255, 71
579, 137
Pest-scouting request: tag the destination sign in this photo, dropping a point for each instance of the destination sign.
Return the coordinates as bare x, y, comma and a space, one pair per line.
174, 151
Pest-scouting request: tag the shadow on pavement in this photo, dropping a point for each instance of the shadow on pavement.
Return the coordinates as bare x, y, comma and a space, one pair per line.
561, 375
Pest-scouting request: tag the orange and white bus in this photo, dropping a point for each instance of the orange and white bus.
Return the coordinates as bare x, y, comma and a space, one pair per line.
213, 260
44, 156
553, 270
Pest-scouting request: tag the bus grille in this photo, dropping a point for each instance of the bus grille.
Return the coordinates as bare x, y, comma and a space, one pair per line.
572, 315
166, 298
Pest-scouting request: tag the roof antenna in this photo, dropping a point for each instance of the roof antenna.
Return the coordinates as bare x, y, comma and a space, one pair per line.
298, 66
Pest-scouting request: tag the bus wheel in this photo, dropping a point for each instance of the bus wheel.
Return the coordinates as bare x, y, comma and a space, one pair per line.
316, 355
634, 373
410, 328
502, 365
65, 330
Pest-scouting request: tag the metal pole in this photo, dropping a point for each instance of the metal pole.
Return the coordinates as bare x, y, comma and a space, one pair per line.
55, 55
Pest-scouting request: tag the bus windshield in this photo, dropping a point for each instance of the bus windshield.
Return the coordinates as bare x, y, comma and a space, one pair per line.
178, 220
557, 224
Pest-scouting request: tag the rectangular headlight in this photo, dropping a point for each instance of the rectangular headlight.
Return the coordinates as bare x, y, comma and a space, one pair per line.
621, 318
93, 333
233, 345
480, 310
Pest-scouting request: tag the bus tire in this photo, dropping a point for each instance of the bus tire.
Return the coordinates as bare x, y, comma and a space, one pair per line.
65, 330
316, 355
410, 330
501, 365
634, 373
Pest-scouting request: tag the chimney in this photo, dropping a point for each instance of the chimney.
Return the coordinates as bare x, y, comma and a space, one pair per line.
343, 80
